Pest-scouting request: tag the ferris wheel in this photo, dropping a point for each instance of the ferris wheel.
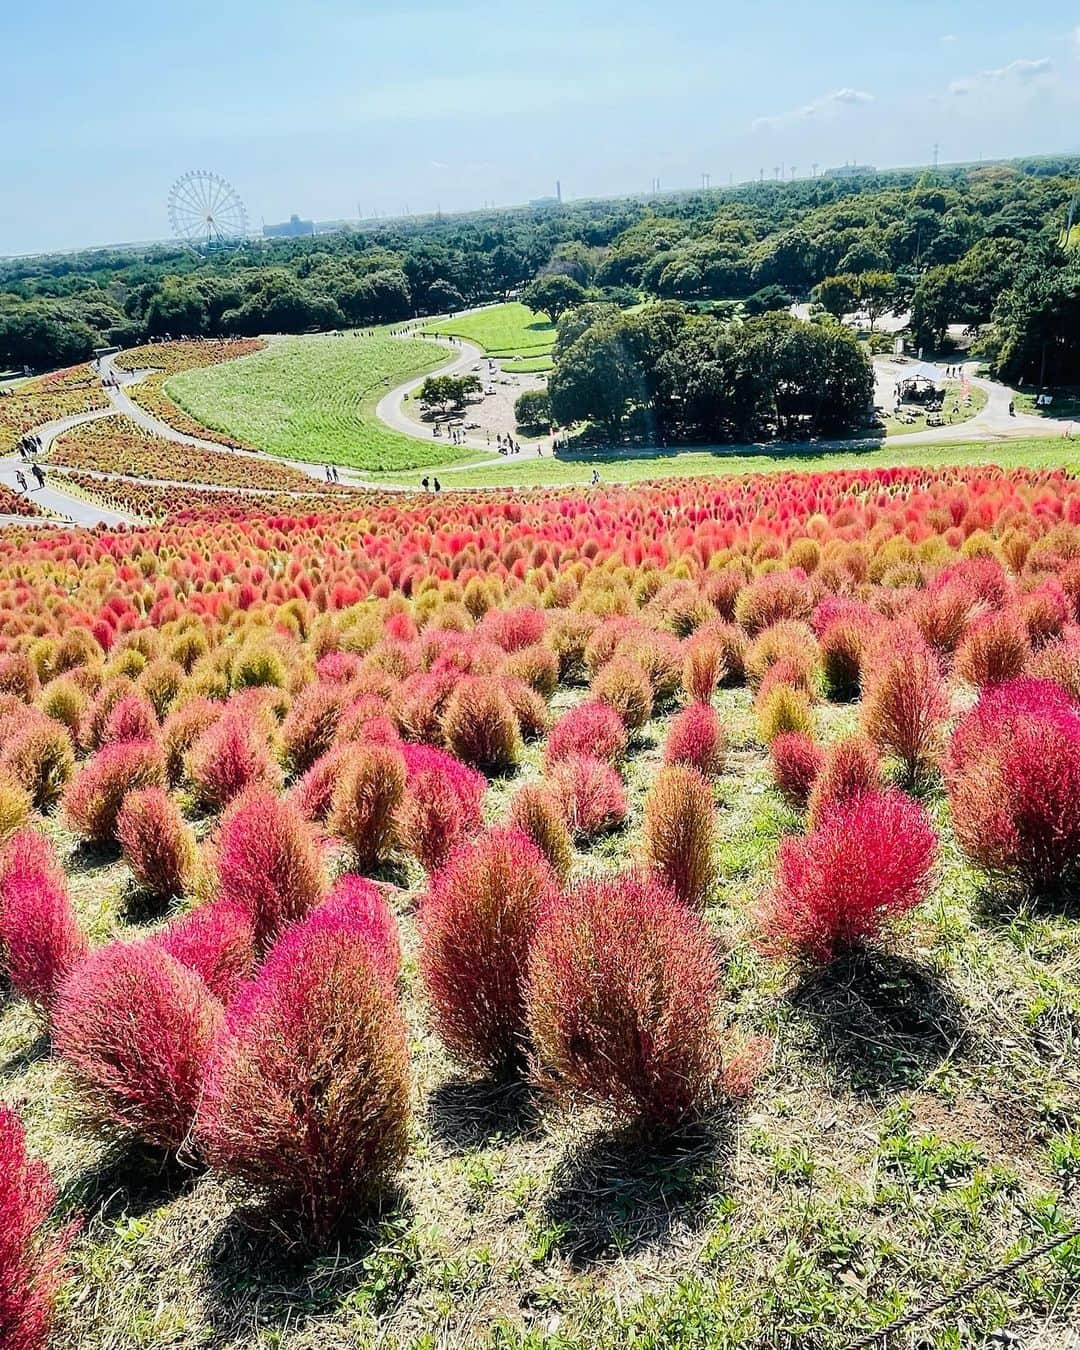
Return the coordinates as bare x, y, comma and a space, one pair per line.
206, 211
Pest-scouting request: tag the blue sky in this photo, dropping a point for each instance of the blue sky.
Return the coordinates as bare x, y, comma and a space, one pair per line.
325, 107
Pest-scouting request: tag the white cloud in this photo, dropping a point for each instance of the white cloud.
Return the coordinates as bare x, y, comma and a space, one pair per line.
824, 106
1019, 71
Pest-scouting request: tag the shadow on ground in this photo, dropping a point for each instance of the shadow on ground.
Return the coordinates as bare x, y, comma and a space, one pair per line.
881, 1020
468, 1113
614, 1195
23, 1058
1007, 899
129, 1179
258, 1275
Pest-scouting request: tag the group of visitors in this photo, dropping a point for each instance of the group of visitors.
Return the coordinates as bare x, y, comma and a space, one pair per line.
431, 484
332, 474
29, 444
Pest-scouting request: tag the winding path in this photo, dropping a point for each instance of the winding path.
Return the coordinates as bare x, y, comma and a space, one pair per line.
992, 423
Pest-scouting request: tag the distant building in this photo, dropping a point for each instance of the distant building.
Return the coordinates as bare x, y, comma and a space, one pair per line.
549, 201
289, 229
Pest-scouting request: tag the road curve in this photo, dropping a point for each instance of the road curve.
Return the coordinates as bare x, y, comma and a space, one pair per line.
389, 408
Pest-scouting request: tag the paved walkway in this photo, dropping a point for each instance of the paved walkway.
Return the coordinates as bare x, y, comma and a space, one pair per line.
992, 423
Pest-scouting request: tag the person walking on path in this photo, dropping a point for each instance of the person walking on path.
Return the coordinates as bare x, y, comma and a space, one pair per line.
39, 474
20, 479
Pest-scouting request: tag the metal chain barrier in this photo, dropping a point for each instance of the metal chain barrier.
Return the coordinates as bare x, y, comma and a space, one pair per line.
873, 1338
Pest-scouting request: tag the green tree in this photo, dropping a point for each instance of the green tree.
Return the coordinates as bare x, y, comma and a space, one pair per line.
448, 391
533, 409
875, 292
837, 294
553, 295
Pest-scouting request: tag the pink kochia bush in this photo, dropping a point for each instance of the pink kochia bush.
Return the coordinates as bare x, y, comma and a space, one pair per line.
307, 1093
40, 937
591, 795
476, 925
865, 864
156, 843
134, 1028
356, 903
797, 760
1013, 776
592, 728
623, 989
31, 1257
217, 942
268, 863
96, 794
441, 805
696, 737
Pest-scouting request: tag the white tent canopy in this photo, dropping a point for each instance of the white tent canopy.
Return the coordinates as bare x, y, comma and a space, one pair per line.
924, 371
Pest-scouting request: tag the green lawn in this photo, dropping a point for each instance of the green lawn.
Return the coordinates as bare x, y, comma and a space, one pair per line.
1066, 403
1040, 452
502, 330
313, 398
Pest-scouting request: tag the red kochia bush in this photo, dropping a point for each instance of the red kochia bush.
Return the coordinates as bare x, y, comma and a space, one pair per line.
366, 801
31, 1257
696, 737
591, 795
866, 863
268, 863
132, 718
217, 942
307, 1092
851, 769
680, 831
441, 805
1013, 776
229, 757
40, 937
592, 728
358, 904
476, 924
797, 760
623, 986
135, 1027
95, 795
157, 845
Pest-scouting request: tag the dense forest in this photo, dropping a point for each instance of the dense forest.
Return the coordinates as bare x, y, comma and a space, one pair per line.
979, 245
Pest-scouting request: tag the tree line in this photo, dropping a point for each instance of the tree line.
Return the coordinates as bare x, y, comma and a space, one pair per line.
974, 245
